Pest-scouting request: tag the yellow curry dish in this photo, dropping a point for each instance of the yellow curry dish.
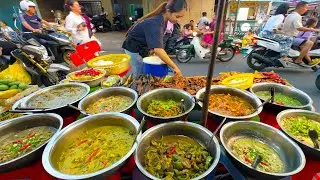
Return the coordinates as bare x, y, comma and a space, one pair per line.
116, 103
95, 149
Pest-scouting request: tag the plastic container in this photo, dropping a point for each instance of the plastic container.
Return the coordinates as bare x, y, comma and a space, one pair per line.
114, 64
154, 66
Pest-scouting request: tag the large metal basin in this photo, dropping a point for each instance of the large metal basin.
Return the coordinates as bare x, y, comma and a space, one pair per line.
251, 98
304, 98
29, 98
290, 153
165, 94
103, 93
192, 130
23, 123
55, 147
295, 112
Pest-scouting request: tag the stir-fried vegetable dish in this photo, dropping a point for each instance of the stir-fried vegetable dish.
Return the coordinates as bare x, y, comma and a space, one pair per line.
16, 144
110, 104
230, 105
177, 158
247, 150
279, 98
57, 97
299, 127
95, 149
164, 108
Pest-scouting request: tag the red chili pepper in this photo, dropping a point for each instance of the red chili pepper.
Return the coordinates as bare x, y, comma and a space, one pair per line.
19, 141
86, 140
265, 164
30, 135
104, 162
25, 147
94, 153
172, 150
247, 160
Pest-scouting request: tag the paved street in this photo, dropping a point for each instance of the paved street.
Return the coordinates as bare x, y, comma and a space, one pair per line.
304, 80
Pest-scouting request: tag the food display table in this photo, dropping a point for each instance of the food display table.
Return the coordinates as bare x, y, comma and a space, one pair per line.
130, 171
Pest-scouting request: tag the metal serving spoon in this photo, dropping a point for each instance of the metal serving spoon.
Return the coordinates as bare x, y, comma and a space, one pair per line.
256, 162
143, 122
314, 137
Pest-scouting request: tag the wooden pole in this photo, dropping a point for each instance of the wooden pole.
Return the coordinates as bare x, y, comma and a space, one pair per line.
220, 17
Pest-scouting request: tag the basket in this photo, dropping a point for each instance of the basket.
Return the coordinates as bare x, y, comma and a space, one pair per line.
114, 64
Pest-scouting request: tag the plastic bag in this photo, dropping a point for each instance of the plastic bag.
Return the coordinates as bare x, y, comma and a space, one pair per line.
16, 72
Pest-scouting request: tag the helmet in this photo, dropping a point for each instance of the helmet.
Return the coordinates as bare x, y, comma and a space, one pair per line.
31, 4
24, 5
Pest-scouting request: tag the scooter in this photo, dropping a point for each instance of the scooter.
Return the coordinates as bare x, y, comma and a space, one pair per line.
226, 51
118, 25
101, 23
266, 53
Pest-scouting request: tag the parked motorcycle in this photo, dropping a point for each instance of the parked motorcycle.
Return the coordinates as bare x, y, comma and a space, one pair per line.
266, 53
101, 23
226, 51
118, 25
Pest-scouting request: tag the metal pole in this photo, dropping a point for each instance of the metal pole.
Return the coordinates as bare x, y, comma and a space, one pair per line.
220, 12
236, 20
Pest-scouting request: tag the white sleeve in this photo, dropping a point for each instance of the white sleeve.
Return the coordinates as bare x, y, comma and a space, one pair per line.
70, 25
278, 22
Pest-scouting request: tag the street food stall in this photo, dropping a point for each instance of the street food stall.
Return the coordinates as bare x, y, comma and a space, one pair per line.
253, 126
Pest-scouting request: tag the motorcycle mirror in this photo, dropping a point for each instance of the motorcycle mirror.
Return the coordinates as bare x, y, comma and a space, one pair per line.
14, 16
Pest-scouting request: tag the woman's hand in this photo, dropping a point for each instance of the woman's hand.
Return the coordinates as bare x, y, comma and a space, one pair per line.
177, 71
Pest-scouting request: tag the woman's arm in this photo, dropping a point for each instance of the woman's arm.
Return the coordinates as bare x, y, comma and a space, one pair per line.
161, 53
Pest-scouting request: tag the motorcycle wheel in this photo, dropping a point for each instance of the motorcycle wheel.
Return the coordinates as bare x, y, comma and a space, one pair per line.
254, 63
318, 82
53, 78
183, 56
230, 53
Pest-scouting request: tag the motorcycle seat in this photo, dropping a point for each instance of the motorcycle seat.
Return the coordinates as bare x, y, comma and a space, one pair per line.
265, 39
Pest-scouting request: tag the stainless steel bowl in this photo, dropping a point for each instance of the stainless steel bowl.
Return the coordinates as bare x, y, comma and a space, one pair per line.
290, 153
304, 98
92, 83
295, 112
165, 94
23, 123
35, 94
192, 130
58, 143
251, 98
107, 92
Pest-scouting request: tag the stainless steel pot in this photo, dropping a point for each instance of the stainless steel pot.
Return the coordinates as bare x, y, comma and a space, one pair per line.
304, 98
290, 153
293, 113
27, 99
22, 123
251, 98
107, 92
192, 130
55, 147
165, 94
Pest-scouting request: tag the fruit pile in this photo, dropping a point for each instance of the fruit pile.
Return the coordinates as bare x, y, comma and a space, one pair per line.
9, 88
88, 72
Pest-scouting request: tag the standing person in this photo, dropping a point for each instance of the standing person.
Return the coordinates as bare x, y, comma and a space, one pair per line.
87, 20
292, 27
147, 35
272, 28
203, 20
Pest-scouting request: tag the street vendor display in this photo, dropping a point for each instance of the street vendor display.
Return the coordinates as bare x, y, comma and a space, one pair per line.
92, 77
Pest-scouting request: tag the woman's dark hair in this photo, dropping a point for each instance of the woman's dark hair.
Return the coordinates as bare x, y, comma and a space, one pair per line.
5, 23
69, 3
171, 5
311, 21
282, 9
187, 26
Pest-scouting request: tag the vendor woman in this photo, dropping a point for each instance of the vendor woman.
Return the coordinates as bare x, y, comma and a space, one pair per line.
147, 35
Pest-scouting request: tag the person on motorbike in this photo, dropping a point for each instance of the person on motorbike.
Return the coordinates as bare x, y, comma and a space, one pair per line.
293, 26
187, 30
207, 38
147, 35
272, 28
6, 30
203, 21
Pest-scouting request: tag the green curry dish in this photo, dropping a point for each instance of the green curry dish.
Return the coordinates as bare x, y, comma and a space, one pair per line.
17, 144
279, 98
177, 158
247, 149
164, 108
299, 127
